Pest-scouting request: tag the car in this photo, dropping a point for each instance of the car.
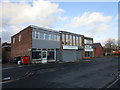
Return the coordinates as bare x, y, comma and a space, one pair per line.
15, 60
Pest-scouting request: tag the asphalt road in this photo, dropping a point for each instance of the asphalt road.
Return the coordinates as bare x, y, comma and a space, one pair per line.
95, 74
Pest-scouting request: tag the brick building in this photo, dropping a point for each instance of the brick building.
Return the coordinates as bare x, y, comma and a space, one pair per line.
6, 52
98, 50
48, 45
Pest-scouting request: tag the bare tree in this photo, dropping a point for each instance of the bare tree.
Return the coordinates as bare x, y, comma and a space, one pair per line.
110, 45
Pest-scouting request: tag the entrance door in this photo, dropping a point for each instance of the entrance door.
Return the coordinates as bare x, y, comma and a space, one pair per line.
44, 56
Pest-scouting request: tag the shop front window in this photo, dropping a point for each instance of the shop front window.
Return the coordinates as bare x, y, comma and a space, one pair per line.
36, 55
50, 55
88, 54
44, 54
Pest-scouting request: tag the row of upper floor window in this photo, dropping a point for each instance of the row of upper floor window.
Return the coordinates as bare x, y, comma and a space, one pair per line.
87, 41
45, 36
72, 40
67, 39
19, 39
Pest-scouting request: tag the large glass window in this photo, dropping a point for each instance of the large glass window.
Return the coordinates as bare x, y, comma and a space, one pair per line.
37, 35
47, 36
58, 38
66, 39
88, 54
80, 42
41, 35
88, 41
70, 39
77, 40
36, 55
50, 55
33, 35
52, 37
74, 40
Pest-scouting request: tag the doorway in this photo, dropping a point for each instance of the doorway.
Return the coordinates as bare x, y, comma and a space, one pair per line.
44, 56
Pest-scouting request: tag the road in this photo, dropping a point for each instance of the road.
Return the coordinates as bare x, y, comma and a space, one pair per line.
95, 74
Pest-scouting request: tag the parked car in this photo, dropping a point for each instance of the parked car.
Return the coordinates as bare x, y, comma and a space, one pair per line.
15, 60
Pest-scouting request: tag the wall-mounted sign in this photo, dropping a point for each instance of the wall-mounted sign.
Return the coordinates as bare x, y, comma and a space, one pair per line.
70, 47
89, 49
29, 50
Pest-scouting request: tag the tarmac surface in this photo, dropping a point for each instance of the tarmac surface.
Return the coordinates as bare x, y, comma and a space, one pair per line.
97, 73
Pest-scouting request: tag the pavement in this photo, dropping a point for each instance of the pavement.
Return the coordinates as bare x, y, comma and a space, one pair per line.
95, 73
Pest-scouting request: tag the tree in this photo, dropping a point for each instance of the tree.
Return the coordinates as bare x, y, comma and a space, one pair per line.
110, 45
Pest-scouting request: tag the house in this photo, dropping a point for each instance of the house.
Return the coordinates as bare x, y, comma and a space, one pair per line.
6, 52
44, 45
98, 50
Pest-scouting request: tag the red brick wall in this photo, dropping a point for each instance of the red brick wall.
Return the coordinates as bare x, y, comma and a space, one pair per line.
98, 52
6, 52
21, 48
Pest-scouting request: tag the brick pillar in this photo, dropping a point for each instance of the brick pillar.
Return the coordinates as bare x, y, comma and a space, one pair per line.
83, 45
93, 49
68, 39
65, 39
75, 41
61, 53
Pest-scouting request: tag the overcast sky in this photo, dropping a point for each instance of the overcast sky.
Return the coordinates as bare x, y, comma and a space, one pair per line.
98, 20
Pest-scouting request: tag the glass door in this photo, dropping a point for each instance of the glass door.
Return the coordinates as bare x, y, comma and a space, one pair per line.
44, 56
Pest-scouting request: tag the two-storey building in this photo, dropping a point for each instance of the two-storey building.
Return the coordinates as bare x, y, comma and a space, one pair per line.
48, 45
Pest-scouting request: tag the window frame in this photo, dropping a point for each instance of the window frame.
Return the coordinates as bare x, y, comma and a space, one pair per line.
19, 38
14, 40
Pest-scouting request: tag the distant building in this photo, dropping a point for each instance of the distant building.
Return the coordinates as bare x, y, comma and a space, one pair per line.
6, 52
98, 50
48, 45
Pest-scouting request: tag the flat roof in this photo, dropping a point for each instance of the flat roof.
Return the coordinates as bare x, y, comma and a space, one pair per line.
52, 30
88, 37
70, 33
44, 28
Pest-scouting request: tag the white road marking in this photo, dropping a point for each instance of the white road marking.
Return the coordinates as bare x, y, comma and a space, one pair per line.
112, 83
7, 68
10, 67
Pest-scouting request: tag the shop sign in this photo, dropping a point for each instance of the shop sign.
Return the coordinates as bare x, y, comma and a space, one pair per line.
70, 47
88, 49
